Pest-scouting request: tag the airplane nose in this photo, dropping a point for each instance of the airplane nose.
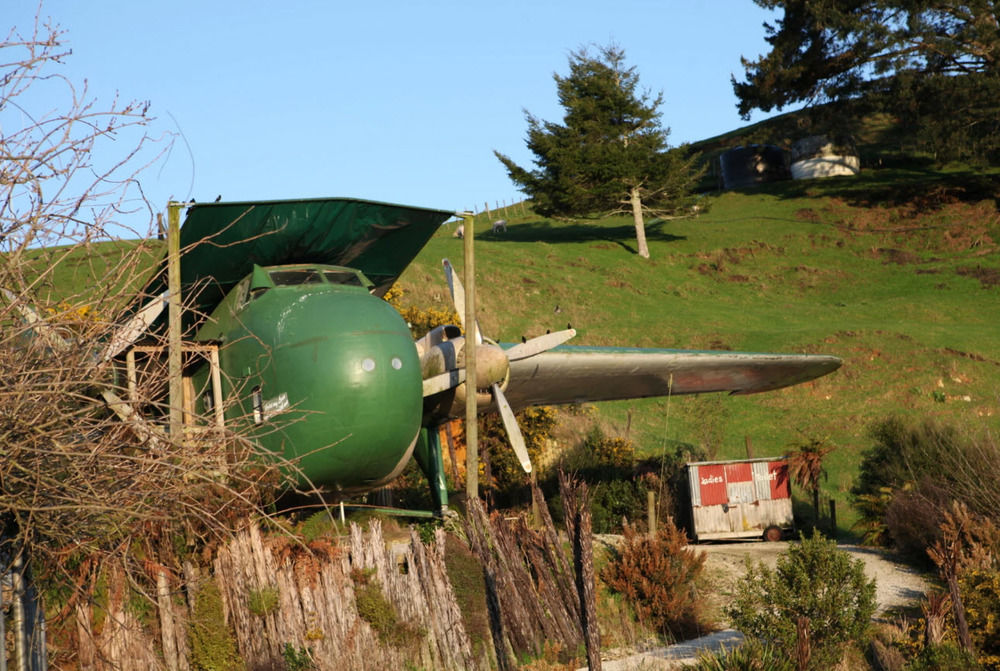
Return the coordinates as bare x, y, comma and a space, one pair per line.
356, 376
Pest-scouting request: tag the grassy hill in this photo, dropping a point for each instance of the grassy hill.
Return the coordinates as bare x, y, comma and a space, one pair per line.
895, 271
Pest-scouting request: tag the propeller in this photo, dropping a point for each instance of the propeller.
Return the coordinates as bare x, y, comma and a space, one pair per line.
492, 366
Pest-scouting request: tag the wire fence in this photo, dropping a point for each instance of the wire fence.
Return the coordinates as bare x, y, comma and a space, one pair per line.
501, 209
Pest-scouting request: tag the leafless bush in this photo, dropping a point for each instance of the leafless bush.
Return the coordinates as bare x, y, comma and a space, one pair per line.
77, 483
917, 469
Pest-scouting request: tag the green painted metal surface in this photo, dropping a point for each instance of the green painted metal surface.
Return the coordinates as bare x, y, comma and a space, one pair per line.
324, 375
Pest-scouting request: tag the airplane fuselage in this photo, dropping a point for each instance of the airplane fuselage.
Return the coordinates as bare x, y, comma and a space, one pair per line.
325, 374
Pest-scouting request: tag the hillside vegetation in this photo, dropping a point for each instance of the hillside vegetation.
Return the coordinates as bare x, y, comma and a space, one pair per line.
895, 271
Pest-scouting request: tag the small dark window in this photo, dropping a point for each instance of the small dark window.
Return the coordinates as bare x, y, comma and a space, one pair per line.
342, 277
293, 277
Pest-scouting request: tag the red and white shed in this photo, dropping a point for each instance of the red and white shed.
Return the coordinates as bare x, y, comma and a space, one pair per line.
749, 498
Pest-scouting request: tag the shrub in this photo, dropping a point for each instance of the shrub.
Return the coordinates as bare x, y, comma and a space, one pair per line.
420, 319
913, 518
536, 424
297, 658
913, 472
599, 457
753, 655
264, 601
944, 657
375, 609
814, 580
657, 576
610, 451
980, 589
614, 500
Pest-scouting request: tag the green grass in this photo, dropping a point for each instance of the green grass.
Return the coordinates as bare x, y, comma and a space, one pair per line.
894, 271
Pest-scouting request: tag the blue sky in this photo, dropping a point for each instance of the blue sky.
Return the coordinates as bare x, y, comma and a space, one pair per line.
385, 100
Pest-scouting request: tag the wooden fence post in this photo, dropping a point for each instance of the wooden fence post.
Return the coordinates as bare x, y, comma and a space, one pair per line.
651, 512
833, 519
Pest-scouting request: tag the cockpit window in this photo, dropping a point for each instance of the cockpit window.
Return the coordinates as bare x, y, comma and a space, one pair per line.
347, 277
294, 277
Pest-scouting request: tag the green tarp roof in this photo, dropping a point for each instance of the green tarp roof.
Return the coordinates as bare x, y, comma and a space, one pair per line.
221, 242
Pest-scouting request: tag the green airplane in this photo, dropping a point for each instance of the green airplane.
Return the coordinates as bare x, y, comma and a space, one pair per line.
324, 373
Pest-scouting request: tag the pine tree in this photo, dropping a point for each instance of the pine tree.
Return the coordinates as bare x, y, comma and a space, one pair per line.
610, 154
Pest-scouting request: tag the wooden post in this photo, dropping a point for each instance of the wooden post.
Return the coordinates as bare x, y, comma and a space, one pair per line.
471, 427
588, 594
749, 445
174, 362
833, 519
487, 206
651, 512
168, 632
536, 511
21, 653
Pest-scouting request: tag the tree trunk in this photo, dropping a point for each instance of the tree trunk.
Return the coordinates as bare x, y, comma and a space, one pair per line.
803, 645
640, 226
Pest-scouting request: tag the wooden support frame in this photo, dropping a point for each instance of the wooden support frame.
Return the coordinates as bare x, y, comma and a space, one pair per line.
209, 352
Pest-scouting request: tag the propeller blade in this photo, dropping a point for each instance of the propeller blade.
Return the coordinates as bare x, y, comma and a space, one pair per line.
443, 382
538, 345
35, 322
513, 430
458, 296
135, 327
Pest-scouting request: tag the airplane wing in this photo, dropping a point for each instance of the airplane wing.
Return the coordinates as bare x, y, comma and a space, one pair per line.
220, 242
570, 374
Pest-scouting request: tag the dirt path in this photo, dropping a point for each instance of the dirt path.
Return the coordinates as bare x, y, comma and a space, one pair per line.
896, 585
